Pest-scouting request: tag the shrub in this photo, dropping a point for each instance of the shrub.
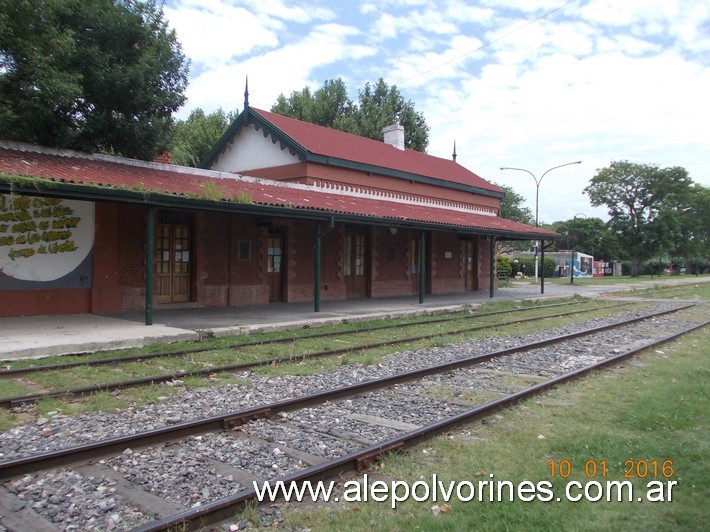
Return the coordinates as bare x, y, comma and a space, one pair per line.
503, 263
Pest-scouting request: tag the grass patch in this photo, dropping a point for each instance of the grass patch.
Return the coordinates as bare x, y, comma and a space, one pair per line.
8, 420
10, 388
691, 291
655, 408
154, 393
77, 377
623, 279
98, 402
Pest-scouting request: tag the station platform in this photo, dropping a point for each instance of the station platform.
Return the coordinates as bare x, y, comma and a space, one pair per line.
41, 336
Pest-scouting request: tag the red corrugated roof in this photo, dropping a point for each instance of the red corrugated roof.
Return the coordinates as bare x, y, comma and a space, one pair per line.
116, 173
337, 144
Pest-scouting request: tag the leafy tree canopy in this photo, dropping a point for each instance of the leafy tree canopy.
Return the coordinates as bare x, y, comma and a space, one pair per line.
591, 236
645, 205
195, 137
377, 107
92, 75
512, 207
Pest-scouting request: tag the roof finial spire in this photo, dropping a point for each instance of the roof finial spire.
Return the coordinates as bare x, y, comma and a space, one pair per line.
453, 155
246, 93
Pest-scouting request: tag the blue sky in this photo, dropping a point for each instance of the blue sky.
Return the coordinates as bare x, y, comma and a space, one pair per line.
515, 83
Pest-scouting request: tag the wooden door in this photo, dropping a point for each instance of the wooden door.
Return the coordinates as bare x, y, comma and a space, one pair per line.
172, 263
355, 265
275, 266
469, 265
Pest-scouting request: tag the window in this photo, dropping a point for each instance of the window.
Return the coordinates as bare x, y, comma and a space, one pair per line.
274, 254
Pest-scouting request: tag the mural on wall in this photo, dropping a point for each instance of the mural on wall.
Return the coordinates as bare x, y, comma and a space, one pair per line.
45, 242
582, 266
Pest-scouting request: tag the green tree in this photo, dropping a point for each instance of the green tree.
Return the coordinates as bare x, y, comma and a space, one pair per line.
591, 236
692, 238
377, 107
380, 106
195, 137
329, 106
643, 202
92, 75
512, 207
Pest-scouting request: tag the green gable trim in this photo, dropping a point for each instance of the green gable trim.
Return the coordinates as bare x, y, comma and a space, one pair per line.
363, 167
246, 118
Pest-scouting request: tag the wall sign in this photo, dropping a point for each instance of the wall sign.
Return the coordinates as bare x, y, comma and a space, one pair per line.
45, 240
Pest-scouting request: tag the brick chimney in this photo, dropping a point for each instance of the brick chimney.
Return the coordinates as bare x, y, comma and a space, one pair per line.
394, 136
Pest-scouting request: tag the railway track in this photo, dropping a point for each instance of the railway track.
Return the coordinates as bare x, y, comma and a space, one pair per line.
77, 359
319, 433
21, 375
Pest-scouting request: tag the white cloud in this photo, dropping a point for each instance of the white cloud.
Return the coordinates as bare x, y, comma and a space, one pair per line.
599, 80
281, 70
420, 66
206, 31
301, 14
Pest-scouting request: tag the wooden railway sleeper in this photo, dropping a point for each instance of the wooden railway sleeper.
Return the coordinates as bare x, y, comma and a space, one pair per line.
235, 421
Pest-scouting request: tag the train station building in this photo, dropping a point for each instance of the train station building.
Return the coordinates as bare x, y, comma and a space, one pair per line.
284, 211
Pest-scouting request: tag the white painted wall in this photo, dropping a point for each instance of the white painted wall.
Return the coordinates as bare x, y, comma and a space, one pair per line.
251, 150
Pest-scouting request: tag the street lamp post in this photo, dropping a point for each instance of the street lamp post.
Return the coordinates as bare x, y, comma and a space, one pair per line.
537, 196
571, 270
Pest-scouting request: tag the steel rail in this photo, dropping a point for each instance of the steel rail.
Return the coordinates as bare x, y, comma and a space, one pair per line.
15, 372
220, 510
9, 402
70, 455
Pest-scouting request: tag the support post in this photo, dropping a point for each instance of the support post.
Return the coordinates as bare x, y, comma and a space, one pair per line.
422, 261
493, 266
542, 266
150, 242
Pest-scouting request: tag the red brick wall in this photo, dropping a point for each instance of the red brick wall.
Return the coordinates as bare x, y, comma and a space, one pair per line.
390, 262
248, 282
446, 263
214, 240
300, 271
332, 262
106, 293
130, 258
44, 302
